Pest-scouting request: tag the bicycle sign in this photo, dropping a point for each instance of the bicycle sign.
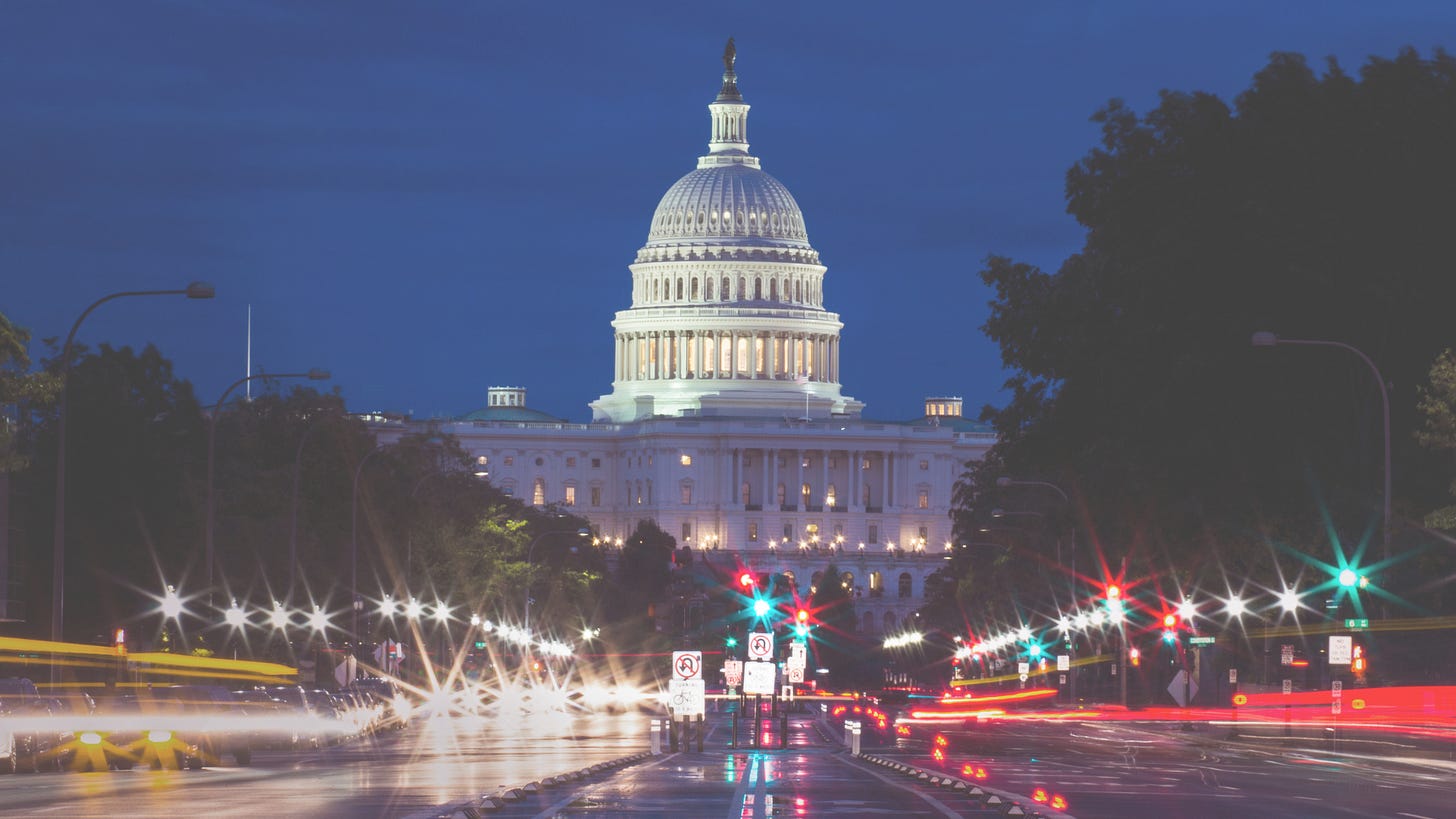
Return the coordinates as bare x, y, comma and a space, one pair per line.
687, 665
760, 646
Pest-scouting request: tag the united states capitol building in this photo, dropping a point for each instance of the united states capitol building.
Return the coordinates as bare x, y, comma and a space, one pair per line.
727, 423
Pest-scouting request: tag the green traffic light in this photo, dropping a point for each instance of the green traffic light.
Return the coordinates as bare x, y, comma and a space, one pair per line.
760, 607
801, 630
730, 641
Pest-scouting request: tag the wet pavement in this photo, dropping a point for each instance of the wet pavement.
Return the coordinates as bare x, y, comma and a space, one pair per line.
814, 776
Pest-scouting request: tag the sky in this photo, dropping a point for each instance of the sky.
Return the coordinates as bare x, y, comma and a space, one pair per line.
430, 198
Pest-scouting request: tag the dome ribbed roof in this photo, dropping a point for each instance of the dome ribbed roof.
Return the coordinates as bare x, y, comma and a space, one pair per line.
510, 414
728, 204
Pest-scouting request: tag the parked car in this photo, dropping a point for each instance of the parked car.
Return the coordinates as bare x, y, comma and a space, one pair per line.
395, 707
213, 724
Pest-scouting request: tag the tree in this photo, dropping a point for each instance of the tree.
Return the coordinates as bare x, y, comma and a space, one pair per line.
1311, 207
22, 392
644, 570
1438, 405
835, 641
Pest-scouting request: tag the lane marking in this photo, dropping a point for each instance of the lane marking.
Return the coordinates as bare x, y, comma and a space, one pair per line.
930, 800
580, 791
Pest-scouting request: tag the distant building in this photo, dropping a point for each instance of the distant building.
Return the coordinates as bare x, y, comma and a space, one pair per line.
726, 423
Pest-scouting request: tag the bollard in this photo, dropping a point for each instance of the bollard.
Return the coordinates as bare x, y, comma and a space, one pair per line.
784, 730
701, 732
654, 737
733, 737
854, 741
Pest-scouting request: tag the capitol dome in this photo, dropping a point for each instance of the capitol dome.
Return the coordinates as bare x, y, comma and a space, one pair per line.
735, 203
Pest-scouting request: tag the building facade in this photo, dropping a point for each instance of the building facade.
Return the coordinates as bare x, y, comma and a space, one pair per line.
726, 423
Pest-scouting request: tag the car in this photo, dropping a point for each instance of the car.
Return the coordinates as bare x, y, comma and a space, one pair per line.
395, 707
273, 721
27, 741
213, 725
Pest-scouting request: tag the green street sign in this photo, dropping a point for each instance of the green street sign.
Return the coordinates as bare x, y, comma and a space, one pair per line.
1200, 641
1363, 622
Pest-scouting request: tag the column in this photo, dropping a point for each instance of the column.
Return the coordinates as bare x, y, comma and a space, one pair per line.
854, 479
799, 482
885, 480
772, 490
824, 476
732, 354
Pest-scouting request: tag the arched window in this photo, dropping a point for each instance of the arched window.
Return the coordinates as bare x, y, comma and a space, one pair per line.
779, 495
695, 289
686, 489
877, 585
742, 288
889, 621
724, 294
798, 292
679, 290
538, 492
905, 585
791, 580
829, 496
747, 492
865, 500
757, 288
804, 492
773, 290
654, 289
708, 290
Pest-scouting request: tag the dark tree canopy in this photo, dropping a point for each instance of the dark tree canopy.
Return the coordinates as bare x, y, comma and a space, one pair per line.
1318, 206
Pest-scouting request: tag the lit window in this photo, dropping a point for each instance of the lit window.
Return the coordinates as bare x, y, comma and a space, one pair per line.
687, 493
570, 499
538, 492
788, 531
685, 460
829, 496
687, 532
923, 501
482, 460
864, 464
753, 531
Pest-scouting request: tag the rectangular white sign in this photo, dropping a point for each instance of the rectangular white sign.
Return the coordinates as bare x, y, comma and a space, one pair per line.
1023, 668
686, 698
760, 646
687, 665
758, 678
1064, 662
733, 672
798, 656
1341, 646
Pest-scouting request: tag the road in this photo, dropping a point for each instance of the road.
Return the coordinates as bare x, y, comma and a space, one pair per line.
393, 774
1121, 769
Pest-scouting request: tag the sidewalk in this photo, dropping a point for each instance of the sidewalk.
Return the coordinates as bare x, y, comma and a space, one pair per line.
814, 776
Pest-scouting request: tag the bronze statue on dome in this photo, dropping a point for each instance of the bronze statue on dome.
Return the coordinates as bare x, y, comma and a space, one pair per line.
730, 54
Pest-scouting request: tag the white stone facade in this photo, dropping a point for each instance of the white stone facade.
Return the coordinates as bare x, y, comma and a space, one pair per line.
726, 425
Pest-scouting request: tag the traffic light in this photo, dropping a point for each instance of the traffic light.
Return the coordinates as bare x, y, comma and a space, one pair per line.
802, 615
1170, 621
760, 608
1113, 592
1134, 657
1357, 660
730, 641
745, 580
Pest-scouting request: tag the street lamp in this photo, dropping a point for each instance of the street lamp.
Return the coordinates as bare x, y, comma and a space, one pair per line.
1265, 338
314, 374
195, 290
583, 532
1005, 482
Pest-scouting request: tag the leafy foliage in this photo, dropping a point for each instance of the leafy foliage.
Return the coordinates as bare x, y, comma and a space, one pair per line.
1313, 207
1438, 405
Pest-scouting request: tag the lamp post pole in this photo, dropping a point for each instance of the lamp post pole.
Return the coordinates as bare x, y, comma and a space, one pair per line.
1004, 482
195, 290
313, 375
1268, 339
526, 621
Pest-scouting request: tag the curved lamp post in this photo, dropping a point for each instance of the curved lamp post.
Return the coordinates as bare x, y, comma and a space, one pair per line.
526, 623
1265, 338
314, 374
1005, 482
195, 290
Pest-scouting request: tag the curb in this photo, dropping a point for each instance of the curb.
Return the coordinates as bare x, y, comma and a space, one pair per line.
1010, 804
504, 795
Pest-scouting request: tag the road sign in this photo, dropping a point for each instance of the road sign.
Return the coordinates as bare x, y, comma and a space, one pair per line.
687, 665
733, 672
1286, 655
798, 656
1182, 688
1289, 686
1023, 669
758, 678
1362, 622
686, 698
1201, 641
1340, 647
760, 646
1334, 706
1337, 689
1233, 675
796, 673
1064, 662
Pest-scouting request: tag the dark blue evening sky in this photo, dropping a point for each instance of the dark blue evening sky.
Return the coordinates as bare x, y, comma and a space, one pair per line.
428, 198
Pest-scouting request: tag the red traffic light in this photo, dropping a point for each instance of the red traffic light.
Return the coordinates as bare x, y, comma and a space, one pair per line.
802, 615
1170, 620
745, 580
1113, 592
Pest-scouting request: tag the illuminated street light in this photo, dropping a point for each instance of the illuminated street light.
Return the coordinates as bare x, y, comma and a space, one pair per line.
279, 616
1235, 606
234, 615
171, 604
1289, 600
474, 620
413, 609
442, 612
1187, 610
1348, 578
319, 619
387, 607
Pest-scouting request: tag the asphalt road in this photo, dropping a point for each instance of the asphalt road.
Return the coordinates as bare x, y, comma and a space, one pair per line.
393, 774
1157, 770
